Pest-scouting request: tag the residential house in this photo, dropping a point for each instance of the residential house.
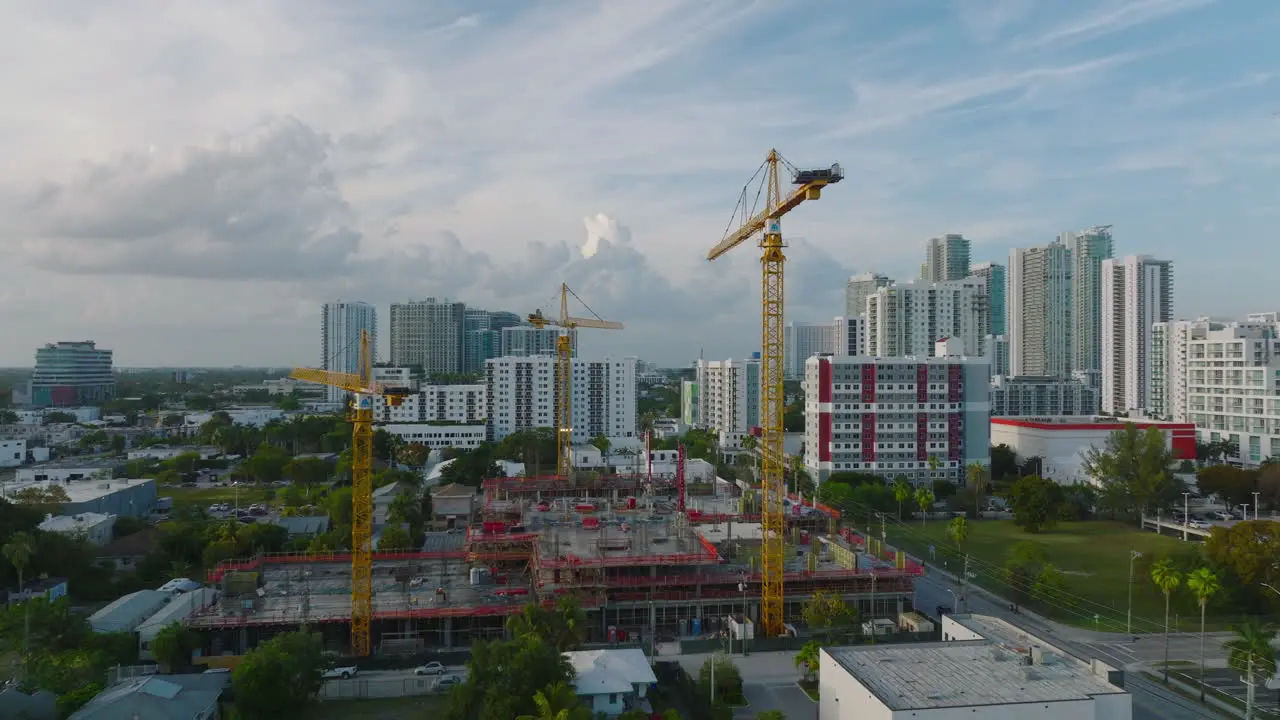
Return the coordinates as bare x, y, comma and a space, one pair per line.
453, 505
124, 554
611, 681
48, 588
183, 606
94, 528
304, 525
39, 705
159, 697
384, 496
126, 613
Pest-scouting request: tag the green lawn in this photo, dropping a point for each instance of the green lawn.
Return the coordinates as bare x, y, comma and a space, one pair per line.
207, 496
1093, 555
403, 708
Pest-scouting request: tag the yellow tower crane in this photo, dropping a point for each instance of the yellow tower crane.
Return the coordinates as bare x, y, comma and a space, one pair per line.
768, 220
564, 370
364, 391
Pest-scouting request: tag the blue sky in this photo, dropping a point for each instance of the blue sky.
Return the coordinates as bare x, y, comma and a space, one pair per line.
190, 184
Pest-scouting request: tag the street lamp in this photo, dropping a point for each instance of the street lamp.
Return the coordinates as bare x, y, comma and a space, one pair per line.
1272, 588
1128, 616
1255, 505
1186, 514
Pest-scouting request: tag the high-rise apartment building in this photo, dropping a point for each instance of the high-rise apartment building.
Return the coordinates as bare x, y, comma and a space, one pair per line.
802, 340
995, 348
1088, 249
1137, 292
521, 394
1029, 396
1040, 311
729, 394
889, 416
428, 334
994, 279
859, 288
528, 340
68, 374
461, 404
907, 319
850, 335
341, 325
946, 258
479, 340
1224, 378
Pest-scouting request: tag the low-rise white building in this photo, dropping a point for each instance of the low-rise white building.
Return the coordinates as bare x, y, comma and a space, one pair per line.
12, 453
1062, 442
611, 681
179, 608
253, 416
127, 612
94, 528
70, 470
163, 452
984, 668
438, 437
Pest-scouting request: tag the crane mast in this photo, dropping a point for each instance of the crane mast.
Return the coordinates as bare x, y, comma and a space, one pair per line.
768, 221
360, 414
564, 371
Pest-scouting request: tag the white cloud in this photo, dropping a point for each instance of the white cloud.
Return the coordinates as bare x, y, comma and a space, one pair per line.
190, 182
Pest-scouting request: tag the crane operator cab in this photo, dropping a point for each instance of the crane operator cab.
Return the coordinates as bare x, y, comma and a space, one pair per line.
536, 318
833, 174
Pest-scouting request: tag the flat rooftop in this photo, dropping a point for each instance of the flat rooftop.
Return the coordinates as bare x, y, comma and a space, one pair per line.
94, 463
326, 590
967, 673
79, 490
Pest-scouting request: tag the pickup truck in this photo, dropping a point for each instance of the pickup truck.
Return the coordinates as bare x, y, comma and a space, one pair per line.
344, 673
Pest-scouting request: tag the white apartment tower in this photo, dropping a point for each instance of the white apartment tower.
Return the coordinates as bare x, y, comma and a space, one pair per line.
803, 340
428, 334
860, 287
907, 319
1137, 292
946, 258
1040, 311
1089, 248
529, 340
728, 395
1224, 378
341, 324
850, 335
461, 404
520, 393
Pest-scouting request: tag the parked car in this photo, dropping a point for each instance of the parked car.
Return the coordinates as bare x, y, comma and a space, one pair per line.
431, 668
344, 673
448, 681
415, 582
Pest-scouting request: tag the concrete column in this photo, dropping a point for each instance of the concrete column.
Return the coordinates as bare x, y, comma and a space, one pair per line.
448, 633
244, 640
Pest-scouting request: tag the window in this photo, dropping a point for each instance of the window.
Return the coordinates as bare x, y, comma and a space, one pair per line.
613, 698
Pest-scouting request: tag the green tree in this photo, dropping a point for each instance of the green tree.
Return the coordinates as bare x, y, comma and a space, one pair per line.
901, 493
958, 531
504, 676
308, 472
827, 613
1233, 485
558, 701
1167, 577
1245, 554
414, 454
1134, 471
1050, 587
1204, 585
172, 646
8, 417
1023, 566
563, 626
18, 551
281, 677
924, 500
1036, 503
807, 660
1252, 653
771, 715
394, 539
978, 478
728, 688
267, 464
118, 444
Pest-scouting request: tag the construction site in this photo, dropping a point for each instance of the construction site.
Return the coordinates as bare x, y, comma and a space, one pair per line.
643, 558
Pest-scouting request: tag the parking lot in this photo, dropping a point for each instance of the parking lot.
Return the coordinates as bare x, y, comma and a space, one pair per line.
1228, 682
768, 680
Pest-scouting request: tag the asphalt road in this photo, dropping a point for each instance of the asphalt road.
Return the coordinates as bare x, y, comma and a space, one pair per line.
1151, 701
768, 681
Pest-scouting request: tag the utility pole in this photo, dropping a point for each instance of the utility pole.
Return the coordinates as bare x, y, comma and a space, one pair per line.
1255, 505
1186, 514
964, 585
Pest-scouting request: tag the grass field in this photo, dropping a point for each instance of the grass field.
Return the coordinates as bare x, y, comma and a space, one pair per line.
207, 496
1094, 557
379, 709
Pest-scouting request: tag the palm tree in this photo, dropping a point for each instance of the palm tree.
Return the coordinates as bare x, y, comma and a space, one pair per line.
557, 702
1167, 578
924, 498
807, 660
958, 530
977, 476
18, 552
933, 466
901, 493
1204, 584
1251, 653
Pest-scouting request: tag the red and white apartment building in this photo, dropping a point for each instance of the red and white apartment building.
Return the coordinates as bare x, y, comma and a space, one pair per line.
889, 415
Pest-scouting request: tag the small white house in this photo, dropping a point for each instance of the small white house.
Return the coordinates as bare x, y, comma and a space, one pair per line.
611, 681
94, 528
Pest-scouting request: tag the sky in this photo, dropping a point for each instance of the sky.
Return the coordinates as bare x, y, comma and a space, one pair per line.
186, 183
